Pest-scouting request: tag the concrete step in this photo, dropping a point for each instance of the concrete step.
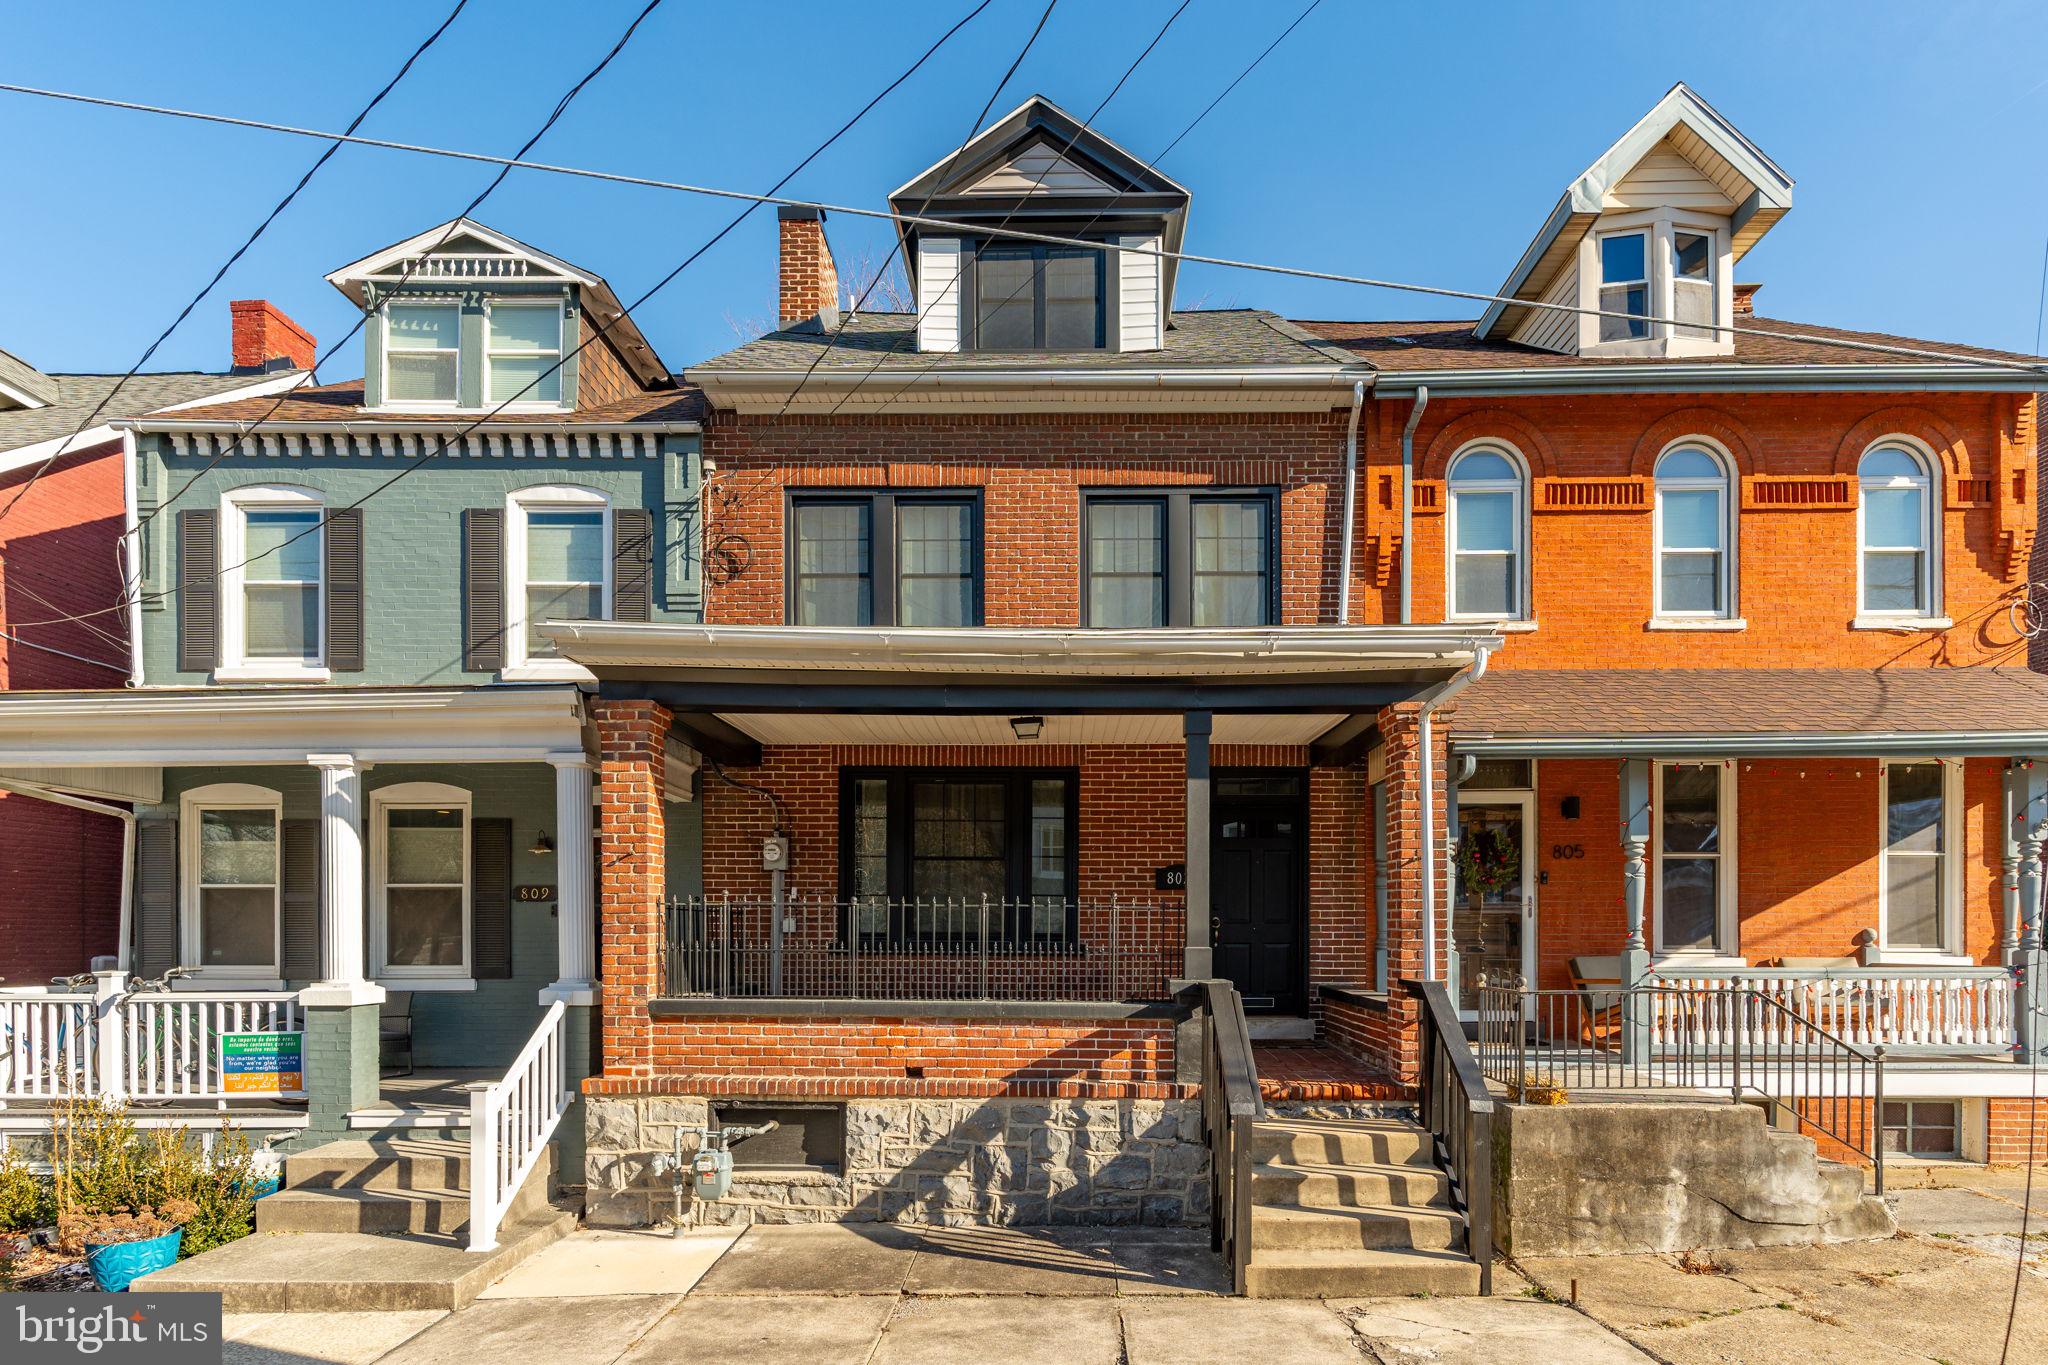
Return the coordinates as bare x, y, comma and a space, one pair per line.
380, 1164
1340, 1142
1340, 1186
1376, 1227
359, 1210
1359, 1274
333, 1272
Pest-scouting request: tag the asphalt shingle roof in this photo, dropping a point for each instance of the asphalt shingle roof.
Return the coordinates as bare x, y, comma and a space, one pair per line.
1220, 337
79, 394
1620, 702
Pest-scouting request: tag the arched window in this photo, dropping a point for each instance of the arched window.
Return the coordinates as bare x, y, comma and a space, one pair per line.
1692, 530
1487, 517
1895, 533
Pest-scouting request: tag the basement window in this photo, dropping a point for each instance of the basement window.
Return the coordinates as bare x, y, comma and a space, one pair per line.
807, 1137
1927, 1129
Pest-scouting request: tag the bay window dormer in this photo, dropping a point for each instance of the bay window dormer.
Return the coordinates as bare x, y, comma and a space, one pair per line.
1655, 282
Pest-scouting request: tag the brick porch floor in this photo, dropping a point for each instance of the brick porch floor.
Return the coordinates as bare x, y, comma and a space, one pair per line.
1308, 1071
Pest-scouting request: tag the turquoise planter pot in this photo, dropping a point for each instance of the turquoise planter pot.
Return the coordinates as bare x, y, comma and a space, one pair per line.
117, 1265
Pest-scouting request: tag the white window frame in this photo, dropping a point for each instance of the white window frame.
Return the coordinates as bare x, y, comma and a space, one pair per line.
1519, 487
1725, 486
1929, 613
191, 807
235, 664
417, 796
491, 305
1663, 338
384, 353
1727, 901
1711, 284
545, 498
1949, 952
1601, 284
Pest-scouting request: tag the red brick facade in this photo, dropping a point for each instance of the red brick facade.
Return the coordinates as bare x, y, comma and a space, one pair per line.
632, 874
1057, 1050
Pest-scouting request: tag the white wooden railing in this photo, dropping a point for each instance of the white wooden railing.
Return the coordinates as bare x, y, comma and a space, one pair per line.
110, 1042
1954, 1008
510, 1122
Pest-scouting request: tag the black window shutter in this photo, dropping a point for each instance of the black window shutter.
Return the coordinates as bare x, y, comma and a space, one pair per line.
344, 635
490, 899
483, 590
299, 871
198, 591
156, 897
632, 564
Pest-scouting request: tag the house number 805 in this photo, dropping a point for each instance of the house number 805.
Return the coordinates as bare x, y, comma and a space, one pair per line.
1561, 851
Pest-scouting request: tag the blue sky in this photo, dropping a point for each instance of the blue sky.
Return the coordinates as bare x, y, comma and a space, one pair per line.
1413, 142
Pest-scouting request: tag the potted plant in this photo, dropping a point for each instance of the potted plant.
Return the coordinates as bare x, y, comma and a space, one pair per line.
122, 1246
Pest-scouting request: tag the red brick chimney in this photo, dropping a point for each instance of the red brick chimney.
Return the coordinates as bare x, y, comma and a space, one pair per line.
263, 338
1745, 300
810, 282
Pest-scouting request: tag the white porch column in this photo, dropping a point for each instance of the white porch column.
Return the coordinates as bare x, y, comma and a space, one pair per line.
575, 893
341, 885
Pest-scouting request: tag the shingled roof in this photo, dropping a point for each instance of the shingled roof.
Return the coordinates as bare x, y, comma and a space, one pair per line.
337, 403
76, 395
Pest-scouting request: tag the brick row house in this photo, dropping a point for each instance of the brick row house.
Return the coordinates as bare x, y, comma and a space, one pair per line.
1061, 647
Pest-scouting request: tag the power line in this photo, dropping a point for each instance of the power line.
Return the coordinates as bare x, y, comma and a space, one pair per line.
448, 442
227, 265
1020, 234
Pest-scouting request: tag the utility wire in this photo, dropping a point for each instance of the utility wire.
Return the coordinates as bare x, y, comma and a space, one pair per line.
332, 147
412, 267
451, 441
2015, 366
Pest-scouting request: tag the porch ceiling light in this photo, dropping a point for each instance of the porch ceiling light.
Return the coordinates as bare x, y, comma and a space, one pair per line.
1027, 727
543, 847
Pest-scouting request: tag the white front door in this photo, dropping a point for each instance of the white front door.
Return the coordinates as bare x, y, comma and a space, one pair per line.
1493, 919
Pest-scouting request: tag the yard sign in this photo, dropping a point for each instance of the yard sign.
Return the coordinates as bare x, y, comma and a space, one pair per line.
256, 1065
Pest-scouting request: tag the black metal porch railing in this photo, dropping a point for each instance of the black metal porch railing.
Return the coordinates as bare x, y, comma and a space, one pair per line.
959, 948
1726, 1041
1457, 1108
1231, 1104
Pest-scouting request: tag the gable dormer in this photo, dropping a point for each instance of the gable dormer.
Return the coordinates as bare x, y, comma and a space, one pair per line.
22, 385
1039, 169
1652, 232
465, 318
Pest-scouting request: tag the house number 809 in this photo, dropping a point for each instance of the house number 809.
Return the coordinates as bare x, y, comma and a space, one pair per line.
1562, 851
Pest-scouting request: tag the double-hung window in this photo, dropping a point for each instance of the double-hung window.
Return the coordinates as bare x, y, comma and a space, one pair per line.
281, 554
523, 352
923, 850
558, 567
1692, 283
1202, 559
419, 865
885, 559
1038, 298
232, 892
422, 353
1896, 530
1486, 530
1692, 514
1624, 286
1694, 872
1918, 836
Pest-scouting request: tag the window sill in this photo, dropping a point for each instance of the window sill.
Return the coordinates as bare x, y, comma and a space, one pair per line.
427, 983
270, 673
1504, 627
551, 670
1901, 624
1696, 623
203, 980
1875, 956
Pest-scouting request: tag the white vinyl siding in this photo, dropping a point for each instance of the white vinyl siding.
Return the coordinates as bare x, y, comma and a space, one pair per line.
1040, 169
938, 293
1665, 178
1552, 329
1139, 321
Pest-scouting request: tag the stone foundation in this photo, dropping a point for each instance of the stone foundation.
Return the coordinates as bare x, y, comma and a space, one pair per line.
954, 1163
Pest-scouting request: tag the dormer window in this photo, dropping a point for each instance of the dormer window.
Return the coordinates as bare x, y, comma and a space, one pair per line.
422, 352
1038, 298
523, 351
1624, 286
1692, 282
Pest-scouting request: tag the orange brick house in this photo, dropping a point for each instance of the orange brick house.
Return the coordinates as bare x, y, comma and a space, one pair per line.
1062, 648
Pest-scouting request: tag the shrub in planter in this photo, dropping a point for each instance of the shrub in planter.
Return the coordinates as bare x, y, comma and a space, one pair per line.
126, 1244
104, 1165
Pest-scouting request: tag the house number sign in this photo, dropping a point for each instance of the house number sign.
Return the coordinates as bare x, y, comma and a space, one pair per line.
1172, 877
1562, 851
533, 893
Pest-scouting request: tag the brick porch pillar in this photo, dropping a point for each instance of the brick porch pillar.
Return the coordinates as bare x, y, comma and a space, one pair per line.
632, 876
1397, 1040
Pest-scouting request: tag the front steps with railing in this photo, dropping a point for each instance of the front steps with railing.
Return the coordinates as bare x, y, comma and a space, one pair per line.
1344, 1207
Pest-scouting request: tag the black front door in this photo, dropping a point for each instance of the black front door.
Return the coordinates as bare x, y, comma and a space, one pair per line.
1259, 875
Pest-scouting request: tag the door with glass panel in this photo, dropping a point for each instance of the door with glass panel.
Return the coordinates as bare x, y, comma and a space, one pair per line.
1493, 919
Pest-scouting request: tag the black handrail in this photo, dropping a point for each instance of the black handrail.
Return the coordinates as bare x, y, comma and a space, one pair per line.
1230, 1106
1457, 1108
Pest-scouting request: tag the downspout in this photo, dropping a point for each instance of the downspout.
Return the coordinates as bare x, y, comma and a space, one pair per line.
127, 819
131, 575
1446, 690
1358, 392
1408, 503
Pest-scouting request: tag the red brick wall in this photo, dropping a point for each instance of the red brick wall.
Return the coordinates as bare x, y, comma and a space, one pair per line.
632, 871
2006, 1128
60, 882
1139, 1050
809, 282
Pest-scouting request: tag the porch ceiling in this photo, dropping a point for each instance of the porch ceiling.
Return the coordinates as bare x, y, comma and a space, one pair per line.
814, 728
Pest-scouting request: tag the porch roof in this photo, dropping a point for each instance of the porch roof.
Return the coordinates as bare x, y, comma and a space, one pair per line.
1682, 712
